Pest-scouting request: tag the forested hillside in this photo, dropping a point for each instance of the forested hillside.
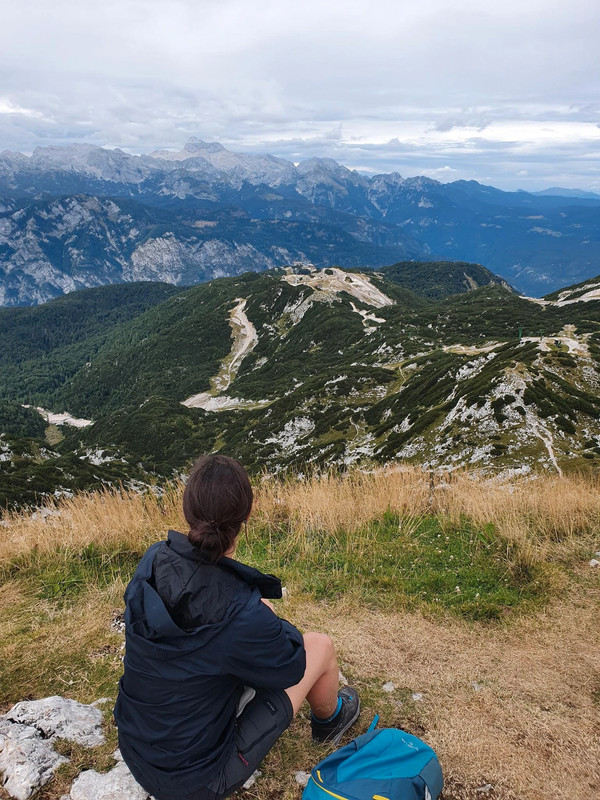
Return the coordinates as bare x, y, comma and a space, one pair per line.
297, 369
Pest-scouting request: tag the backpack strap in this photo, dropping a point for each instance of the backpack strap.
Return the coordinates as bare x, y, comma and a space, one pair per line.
373, 725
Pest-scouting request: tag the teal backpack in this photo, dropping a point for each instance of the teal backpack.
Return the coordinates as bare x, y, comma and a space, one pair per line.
386, 764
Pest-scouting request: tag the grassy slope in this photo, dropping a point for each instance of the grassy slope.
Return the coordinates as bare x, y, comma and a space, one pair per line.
173, 348
295, 372
374, 561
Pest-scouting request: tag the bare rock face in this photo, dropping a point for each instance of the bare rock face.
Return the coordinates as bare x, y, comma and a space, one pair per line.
118, 784
27, 731
27, 760
58, 716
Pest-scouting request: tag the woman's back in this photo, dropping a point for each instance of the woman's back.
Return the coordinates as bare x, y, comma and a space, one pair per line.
199, 628
196, 632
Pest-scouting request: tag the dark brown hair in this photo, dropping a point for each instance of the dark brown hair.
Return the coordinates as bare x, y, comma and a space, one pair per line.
217, 499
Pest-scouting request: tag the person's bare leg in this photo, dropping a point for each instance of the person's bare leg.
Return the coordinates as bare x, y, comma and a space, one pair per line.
321, 679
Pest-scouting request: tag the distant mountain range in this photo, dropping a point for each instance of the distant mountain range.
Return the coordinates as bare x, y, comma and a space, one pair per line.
443, 366
557, 191
81, 216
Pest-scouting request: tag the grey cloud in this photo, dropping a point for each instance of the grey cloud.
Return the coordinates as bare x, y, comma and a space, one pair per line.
448, 123
362, 81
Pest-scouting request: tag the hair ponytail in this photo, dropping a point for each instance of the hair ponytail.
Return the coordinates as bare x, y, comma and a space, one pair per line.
216, 501
210, 538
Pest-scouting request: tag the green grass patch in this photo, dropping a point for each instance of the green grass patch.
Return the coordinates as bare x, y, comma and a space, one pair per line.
62, 574
408, 563
393, 562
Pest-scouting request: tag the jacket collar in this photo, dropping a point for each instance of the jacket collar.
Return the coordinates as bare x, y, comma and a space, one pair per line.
268, 585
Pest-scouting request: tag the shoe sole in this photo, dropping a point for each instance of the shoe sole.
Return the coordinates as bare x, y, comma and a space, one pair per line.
338, 737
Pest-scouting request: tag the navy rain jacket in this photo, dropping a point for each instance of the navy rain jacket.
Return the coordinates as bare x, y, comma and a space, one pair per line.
182, 681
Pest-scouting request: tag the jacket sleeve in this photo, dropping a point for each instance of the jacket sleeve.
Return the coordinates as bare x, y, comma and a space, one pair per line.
265, 651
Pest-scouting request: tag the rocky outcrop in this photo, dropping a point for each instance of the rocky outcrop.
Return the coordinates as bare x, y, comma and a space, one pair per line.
28, 759
117, 784
59, 717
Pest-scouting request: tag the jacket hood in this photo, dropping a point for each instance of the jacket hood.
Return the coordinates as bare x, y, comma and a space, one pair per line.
148, 622
268, 585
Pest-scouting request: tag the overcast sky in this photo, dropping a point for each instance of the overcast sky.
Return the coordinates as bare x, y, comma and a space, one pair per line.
506, 92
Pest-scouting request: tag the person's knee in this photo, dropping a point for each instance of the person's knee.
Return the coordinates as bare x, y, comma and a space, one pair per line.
319, 645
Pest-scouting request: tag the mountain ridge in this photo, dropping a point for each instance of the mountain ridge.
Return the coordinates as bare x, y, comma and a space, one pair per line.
227, 212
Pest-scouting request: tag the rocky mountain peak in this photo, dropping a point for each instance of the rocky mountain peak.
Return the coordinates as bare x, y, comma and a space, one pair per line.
200, 193
194, 146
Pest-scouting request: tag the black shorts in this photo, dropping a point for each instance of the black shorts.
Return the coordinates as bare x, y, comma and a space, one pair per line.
257, 729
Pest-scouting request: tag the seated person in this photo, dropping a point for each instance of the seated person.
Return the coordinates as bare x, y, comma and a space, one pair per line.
212, 676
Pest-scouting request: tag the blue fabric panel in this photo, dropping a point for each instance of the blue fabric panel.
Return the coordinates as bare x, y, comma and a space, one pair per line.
432, 775
392, 754
393, 789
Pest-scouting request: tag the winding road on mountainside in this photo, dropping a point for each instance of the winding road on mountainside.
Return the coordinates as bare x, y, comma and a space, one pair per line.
245, 340
245, 337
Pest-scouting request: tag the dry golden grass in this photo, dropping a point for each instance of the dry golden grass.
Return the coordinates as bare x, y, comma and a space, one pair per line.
531, 728
110, 518
544, 513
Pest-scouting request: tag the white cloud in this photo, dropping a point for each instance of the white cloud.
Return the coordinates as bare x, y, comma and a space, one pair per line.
484, 89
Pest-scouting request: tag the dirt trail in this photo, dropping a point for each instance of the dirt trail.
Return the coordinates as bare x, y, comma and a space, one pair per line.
63, 418
366, 318
470, 350
245, 339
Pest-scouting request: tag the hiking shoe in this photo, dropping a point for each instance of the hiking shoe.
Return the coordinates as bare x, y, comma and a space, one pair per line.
333, 730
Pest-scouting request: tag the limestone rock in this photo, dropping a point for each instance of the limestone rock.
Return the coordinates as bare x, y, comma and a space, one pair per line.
249, 783
388, 687
118, 784
302, 778
58, 716
27, 761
